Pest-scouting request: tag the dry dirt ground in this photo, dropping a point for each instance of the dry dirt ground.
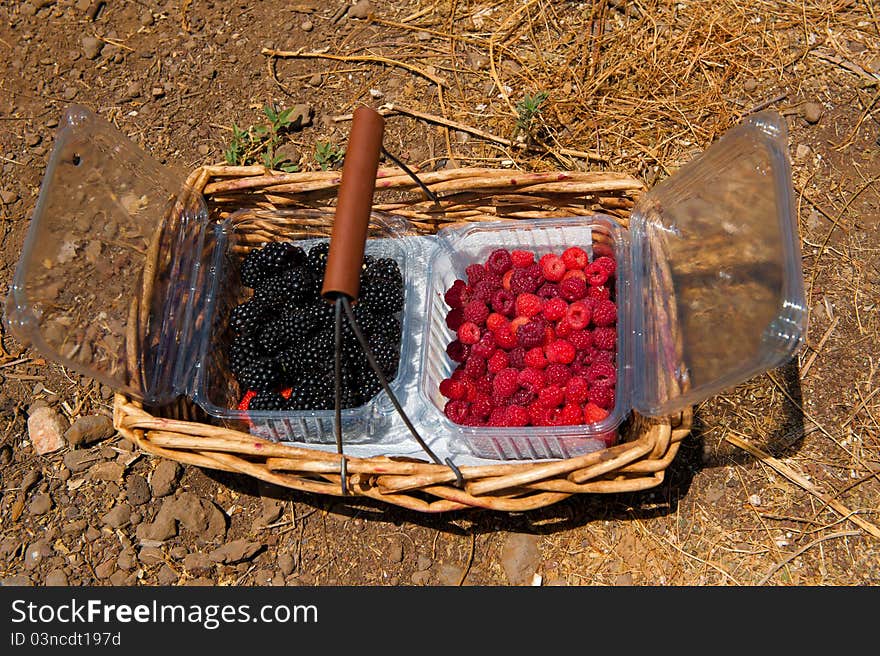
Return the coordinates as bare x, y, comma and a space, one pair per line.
645, 85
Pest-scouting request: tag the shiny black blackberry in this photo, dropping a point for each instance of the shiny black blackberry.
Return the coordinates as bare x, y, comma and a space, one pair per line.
302, 320
384, 268
382, 296
258, 374
277, 334
247, 317
269, 260
268, 400
243, 350
316, 260
290, 287
386, 354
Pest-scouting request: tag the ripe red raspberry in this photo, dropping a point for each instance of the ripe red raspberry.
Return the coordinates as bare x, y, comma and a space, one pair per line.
599, 293
523, 397
505, 337
524, 281
577, 390
528, 305
505, 383
498, 361
602, 396
552, 267
457, 351
572, 289
498, 417
575, 273
571, 414
481, 407
456, 410
596, 274
469, 333
532, 379
557, 374
485, 290
499, 261
475, 273
522, 259
483, 384
605, 338
475, 367
561, 351
476, 312
574, 258
504, 302
517, 323
517, 357
578, 315
452, 389
593, 413
581, 339
245, 402
605, 313
538, 414
530, 334
554, 309
485, 347
563, 328
505, 279
600, 355
535, 358
454, 318
454, 296
551, 396
602, 374
495, 320
548, 290
458, 373
608, 263
470, 389
516, 415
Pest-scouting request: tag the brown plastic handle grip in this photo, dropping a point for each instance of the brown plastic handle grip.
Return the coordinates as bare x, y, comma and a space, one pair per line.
354, 205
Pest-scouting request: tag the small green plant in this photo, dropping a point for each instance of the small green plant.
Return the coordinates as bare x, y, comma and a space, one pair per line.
258, 144
528, 109
328, 154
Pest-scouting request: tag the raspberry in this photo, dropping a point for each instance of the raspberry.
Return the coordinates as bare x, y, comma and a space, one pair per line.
605, 313
483, 385
532, 380
574, 258
454, 295
505, 337
605, 338
517, 323
505, 383
551, 396
593, 413
245, 402
522, 259
457, 351
503, 302
571, 414
494, 321
538, 414
596, 274
600, 355
476, 312
528, 305
498, 417
560, 351
607, 263
475, 367
485, 347
599, 293
498, 361
481, 408
602, 374
456, 410
472, 391
517, 357
499, 261
524, 281
454, 318
552, 267
469, 333
452, 389
602, 396
554, 309
475, 273
577, 390
578, 315
458, 373
505, 279
557, 374
548, 290
516, 415
485, 289
523, 397
530, 334
572, 289
563, 328
535, 358
581, 339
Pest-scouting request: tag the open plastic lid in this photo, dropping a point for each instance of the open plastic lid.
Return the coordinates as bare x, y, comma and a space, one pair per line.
108, 276
717, 274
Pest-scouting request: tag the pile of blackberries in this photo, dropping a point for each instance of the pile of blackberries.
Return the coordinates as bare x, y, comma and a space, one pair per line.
282, 349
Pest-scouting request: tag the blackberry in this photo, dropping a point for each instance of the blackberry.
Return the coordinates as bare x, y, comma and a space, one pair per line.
268, 400
301, 320
322, 312
316, 260
382, 296
384, 267
290, 365
277, 334
387, 355
390, 329
258, 374
244, 349
368, 322
313, 393
269, 260
246, 317
318, 352
290, 287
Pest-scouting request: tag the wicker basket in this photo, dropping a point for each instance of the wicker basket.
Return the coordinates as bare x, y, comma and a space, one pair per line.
183, 433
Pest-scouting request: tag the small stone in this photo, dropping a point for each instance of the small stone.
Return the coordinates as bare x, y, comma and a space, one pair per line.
178, 552
750, 85
395, 551
421, 577
137, 490
802, 152
46, 430
119, 578
77, 526
89, 430
235, 551
79, 460
755, 500
203, 149
449, 574
40, 504
520, 557
105, 569
423, 563
8, 196
145, 18
91, 47
64, 474
164, 478
812, 112
29, 479
106, 471
36, 553
118, 516
126, 560
157, 92
197, 563
151, 556
360, 10
16, 580
315, 80
166, 575
263, 577
624, 579
306, 26
92, 534
286, 564
56, 578
32, 139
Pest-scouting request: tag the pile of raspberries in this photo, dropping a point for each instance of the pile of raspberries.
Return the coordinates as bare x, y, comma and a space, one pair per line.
535, 341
